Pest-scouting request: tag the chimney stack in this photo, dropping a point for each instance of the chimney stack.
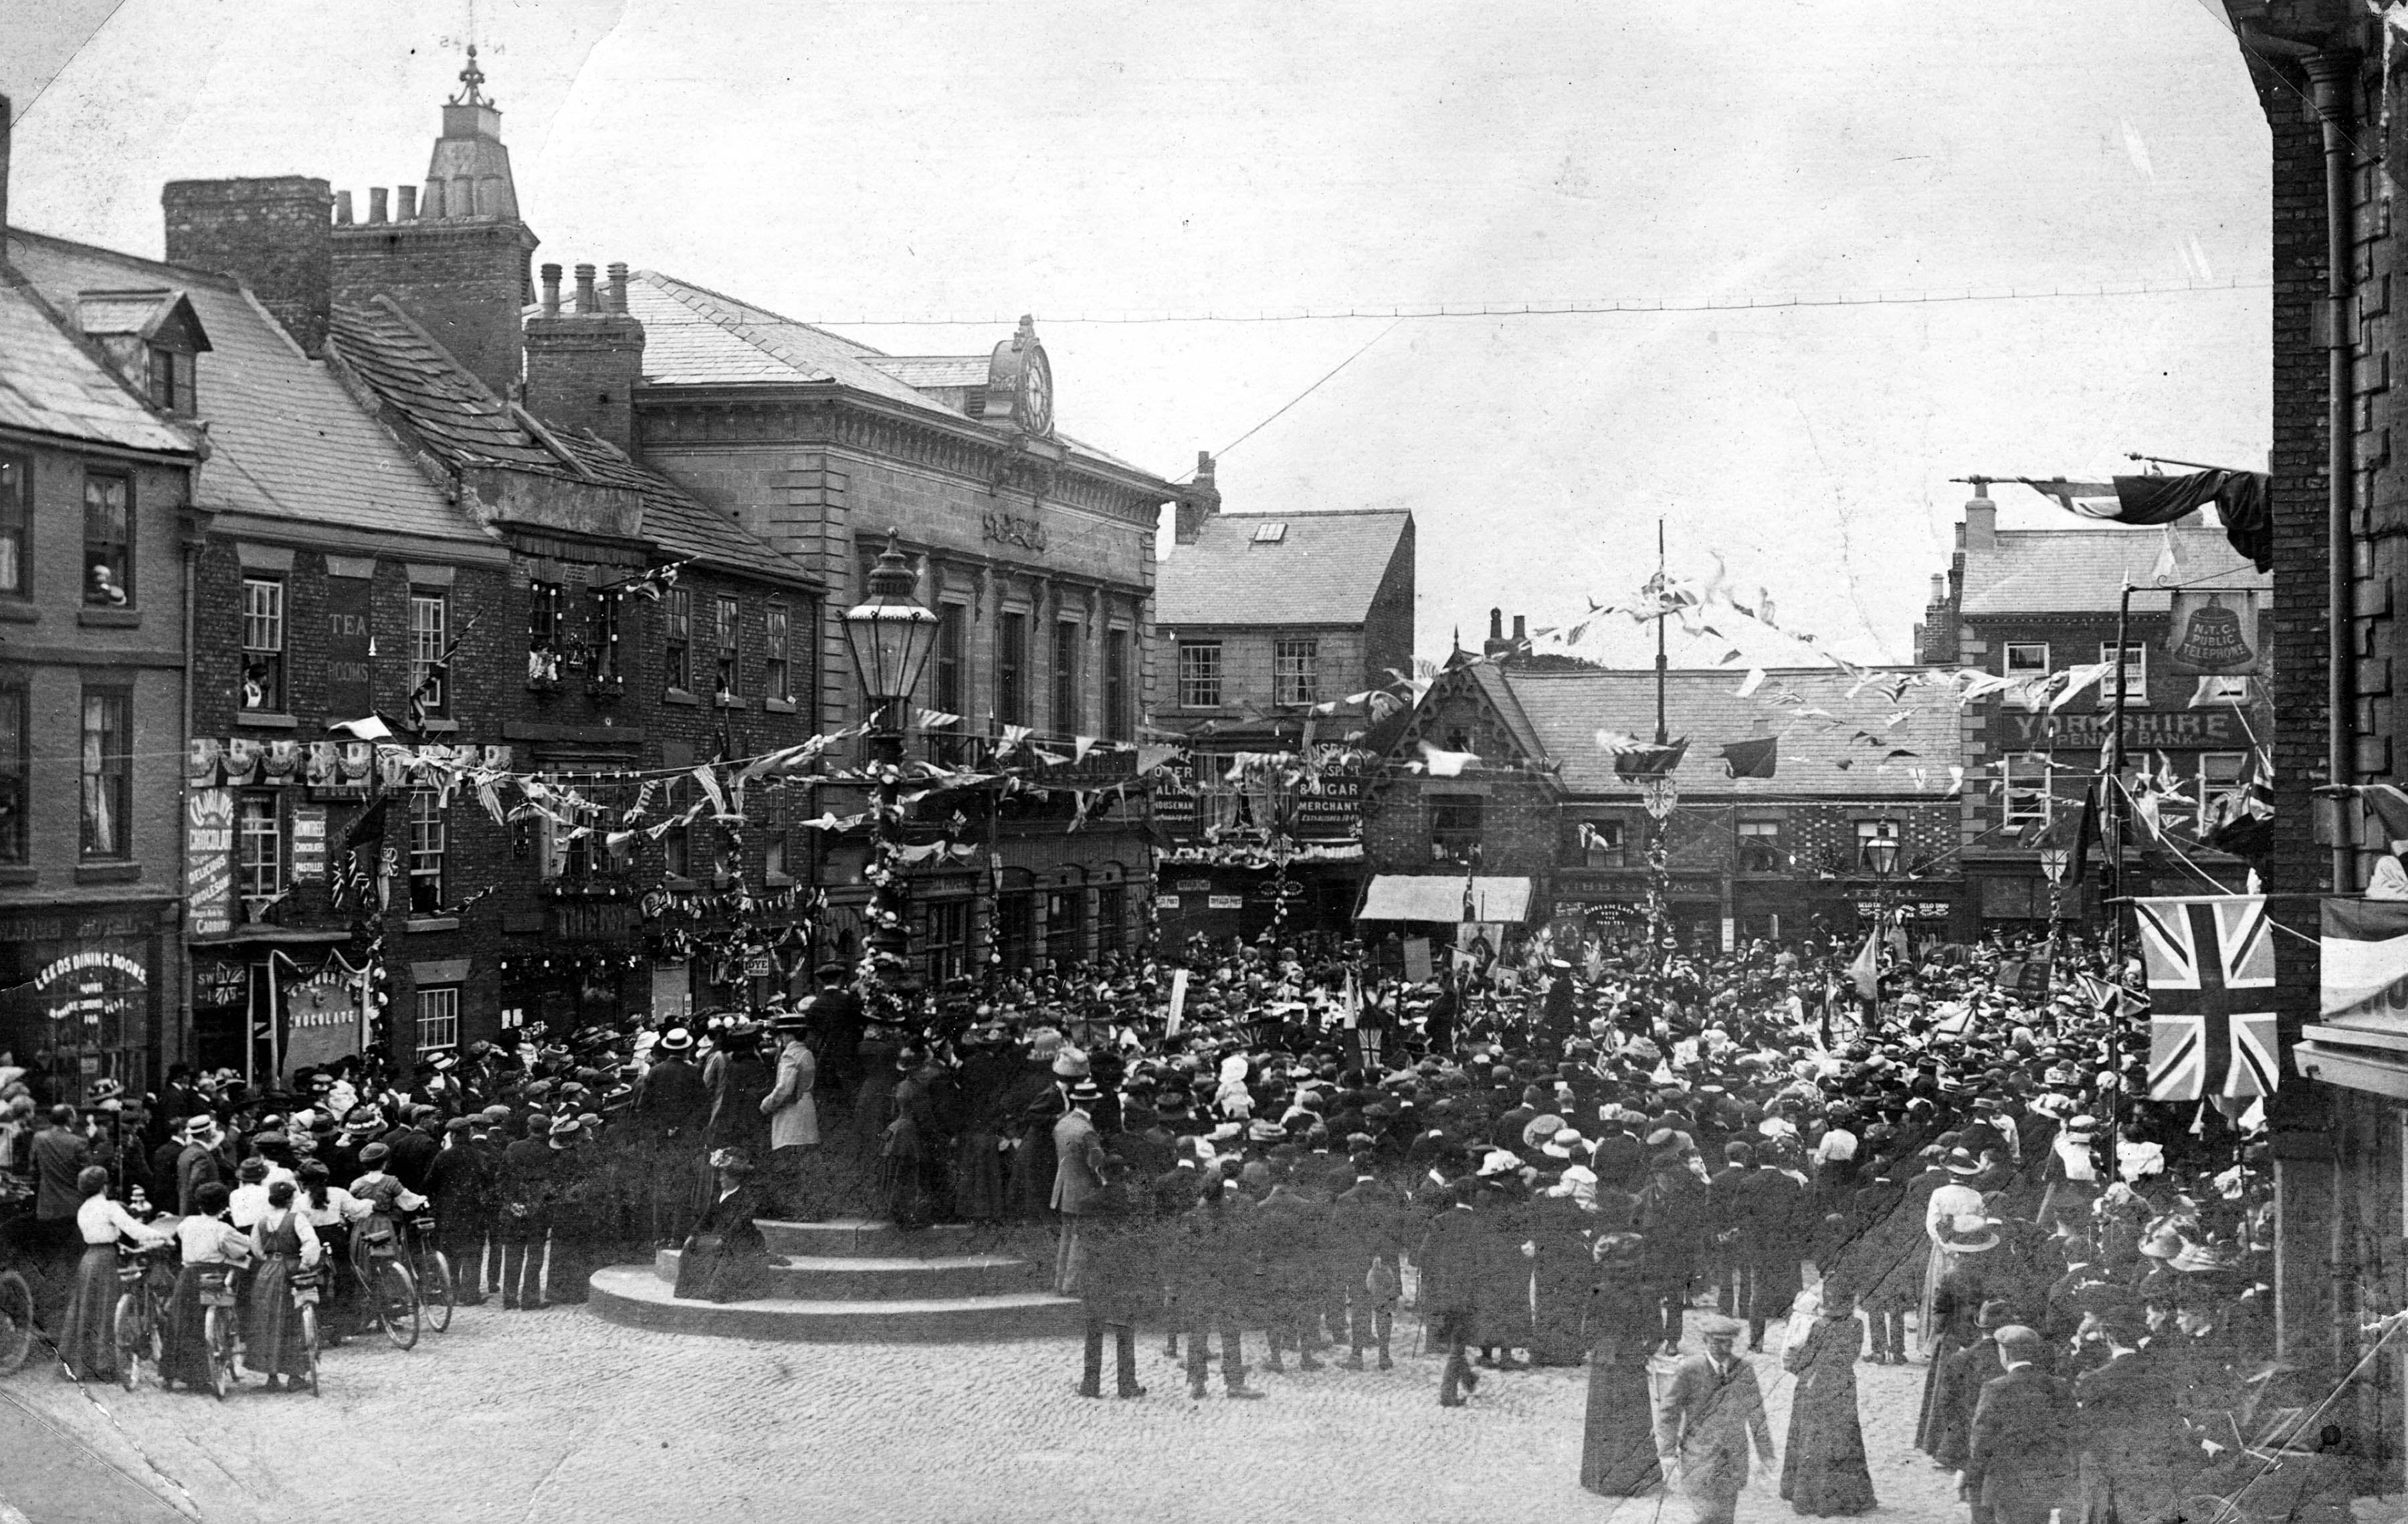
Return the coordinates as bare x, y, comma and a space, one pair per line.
583, 366
1497, 644
1199, 502
1981, 524
275, 235
406, 196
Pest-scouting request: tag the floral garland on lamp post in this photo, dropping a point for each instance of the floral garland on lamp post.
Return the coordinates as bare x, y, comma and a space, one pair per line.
881, 970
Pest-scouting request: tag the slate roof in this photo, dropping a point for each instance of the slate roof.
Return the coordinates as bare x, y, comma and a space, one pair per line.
2078, 571
50, 385
1324, 570
457, 418
1567, 710
286, 440
697, 336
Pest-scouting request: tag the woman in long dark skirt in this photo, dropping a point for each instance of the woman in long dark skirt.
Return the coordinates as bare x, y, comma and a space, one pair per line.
1956, 1307
1624, 1325
284, 1243
1823, 1467
204, 1240
88, 1338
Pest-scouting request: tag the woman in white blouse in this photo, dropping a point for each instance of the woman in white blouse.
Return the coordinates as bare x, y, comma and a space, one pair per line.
205, 1239
87, 1340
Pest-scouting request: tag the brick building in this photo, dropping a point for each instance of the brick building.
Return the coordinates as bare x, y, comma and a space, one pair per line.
1271, 623
96, 525
2028, 602
1544, 827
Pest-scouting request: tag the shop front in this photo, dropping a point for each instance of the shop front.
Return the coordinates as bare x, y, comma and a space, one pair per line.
81, 992
1612, 903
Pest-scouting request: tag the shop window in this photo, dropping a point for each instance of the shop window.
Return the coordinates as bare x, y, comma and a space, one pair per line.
777, 667
1765, 927
1111, 920
259, 854
16, 516
439, 1018
945, 940
677, 640
1011, 665
726, 625
2014, 898
1455, 823
430, 652
427, 832
1015, 916
1759, 846
13, 768
262, 643
107, 764
2029, 798
107, 541
1116, 685
1296, 672
546, 603
1200, 673
1067, 719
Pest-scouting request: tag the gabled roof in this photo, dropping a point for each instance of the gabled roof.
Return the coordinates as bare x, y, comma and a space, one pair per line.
2083, 571
697, 336
1568, 709
286, 440
50, 385
161, 314
455, 417
1323, 568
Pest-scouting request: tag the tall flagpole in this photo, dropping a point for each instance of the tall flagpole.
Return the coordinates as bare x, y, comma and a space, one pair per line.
2111, 821
1663, 738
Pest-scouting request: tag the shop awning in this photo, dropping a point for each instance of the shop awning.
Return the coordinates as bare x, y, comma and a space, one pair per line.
1439, 897
274, 936
2353, 1060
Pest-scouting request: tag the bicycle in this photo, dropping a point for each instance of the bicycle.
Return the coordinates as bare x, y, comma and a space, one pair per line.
432, 1269
219, 1302
144, 1289
18, 1333
307, 1286
383, 1269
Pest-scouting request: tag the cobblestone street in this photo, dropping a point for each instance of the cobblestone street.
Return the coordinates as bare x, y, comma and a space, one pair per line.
558, 1416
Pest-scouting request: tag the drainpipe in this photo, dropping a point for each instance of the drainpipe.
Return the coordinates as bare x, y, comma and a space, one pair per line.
2328, 74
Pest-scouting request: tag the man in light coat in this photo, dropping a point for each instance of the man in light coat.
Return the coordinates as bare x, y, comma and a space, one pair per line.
1078, 1176
1710, 1414
794, 1115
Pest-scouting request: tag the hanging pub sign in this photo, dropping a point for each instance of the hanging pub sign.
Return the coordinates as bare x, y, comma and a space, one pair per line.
208, 862
2212, 632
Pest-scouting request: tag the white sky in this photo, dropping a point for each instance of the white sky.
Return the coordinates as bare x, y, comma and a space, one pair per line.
971, 159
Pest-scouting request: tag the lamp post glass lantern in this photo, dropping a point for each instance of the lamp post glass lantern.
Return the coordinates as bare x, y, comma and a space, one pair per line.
891, 634
1880, 855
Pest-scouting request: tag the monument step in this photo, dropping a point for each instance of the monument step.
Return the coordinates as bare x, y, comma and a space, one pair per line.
842, 1236
810, 1277
633, 1297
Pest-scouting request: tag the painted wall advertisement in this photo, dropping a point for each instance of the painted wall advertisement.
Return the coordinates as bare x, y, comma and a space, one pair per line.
309, 843
208, 861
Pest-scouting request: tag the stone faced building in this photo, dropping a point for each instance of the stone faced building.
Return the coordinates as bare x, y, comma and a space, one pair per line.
1547, 829
2026, 603
97, 524
1270, 624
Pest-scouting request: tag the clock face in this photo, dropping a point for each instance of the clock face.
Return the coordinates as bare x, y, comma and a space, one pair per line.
1036, 392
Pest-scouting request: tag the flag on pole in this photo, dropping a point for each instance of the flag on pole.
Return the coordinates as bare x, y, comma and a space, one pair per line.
1866, 970
1644, 761
1752, 759
2365, 962
2211, 966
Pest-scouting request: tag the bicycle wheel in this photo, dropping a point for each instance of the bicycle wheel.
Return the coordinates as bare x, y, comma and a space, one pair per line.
16, 1322
217, 1331
310, 1342
396, 1303
131, 1341
434, 1289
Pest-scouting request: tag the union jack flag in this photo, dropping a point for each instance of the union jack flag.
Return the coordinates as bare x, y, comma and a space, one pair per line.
2211, 962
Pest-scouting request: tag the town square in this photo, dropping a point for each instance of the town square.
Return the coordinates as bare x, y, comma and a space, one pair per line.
959, 761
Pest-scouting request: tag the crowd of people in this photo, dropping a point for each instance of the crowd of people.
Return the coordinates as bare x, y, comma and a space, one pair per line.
1557, 1150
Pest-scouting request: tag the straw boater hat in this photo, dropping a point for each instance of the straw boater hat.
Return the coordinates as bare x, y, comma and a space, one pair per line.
1968, 1234
675, 1040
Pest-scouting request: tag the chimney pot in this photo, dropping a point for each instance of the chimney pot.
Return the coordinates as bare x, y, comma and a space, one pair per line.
1520, 633
585, 289
1203, 462
1981, 524
551, 291
406, 202
376, 205
1496, 624
432, 209
343, 208
619, 288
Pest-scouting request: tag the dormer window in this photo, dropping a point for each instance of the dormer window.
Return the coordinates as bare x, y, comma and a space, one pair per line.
154, 338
